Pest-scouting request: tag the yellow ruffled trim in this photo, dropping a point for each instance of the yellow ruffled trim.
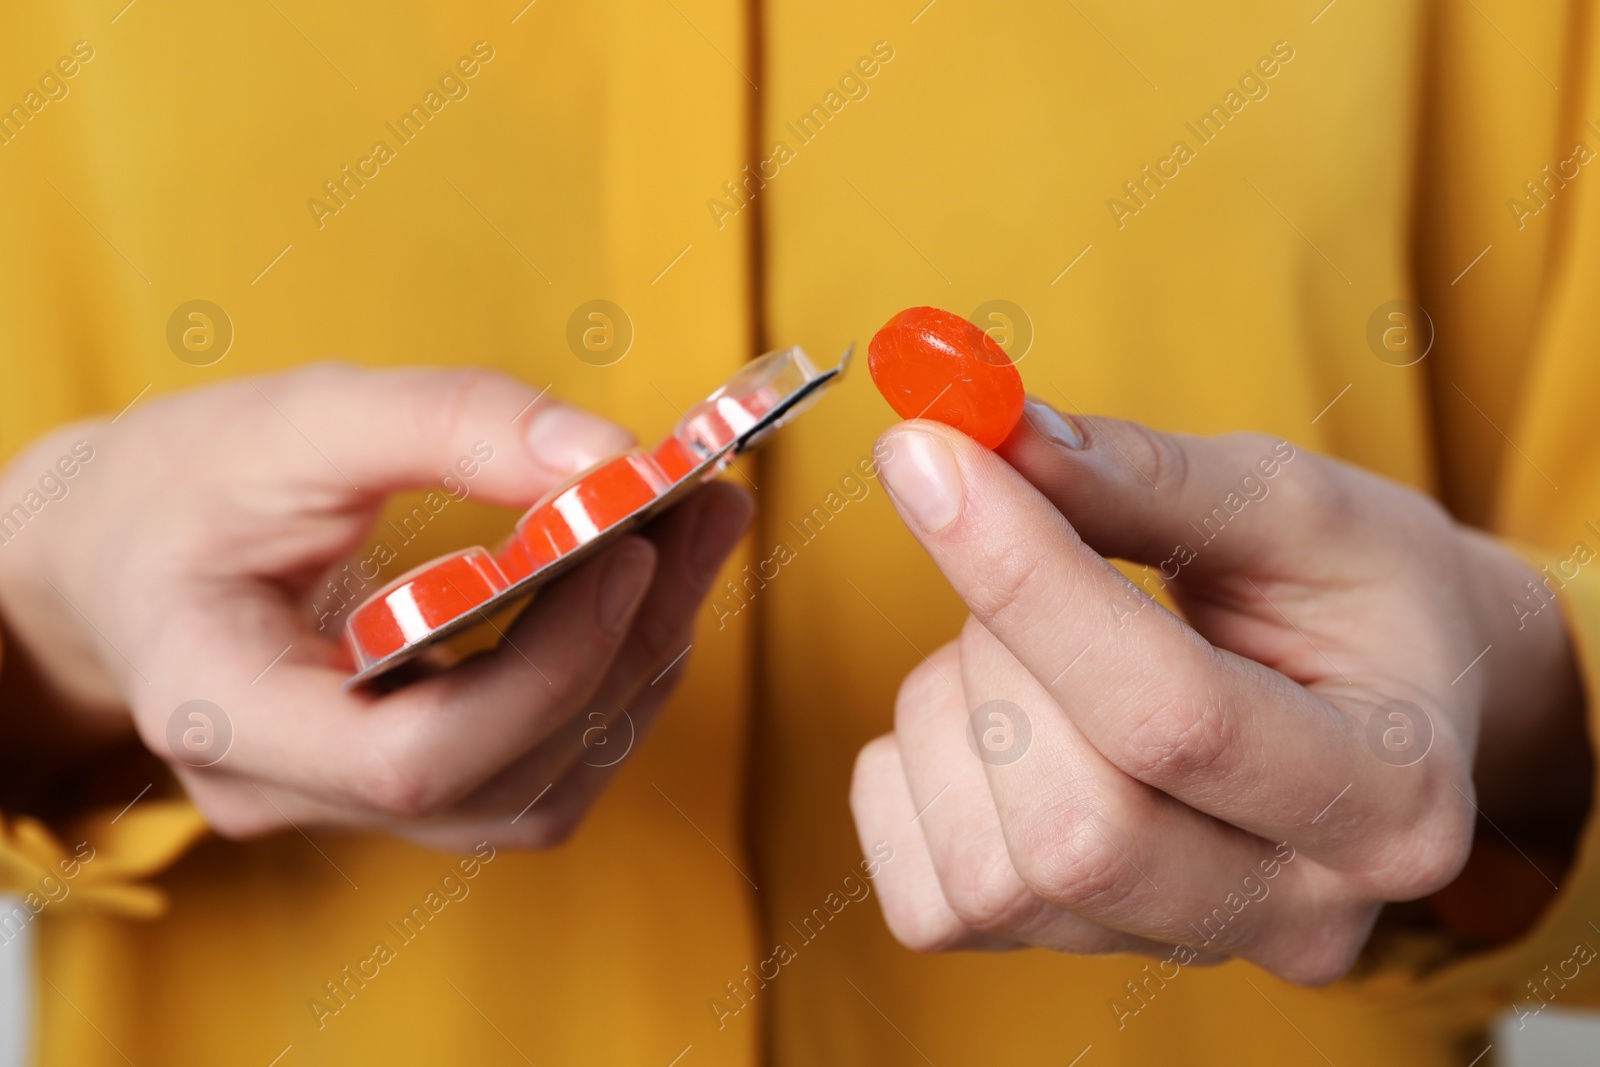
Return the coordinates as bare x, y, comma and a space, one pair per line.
99, 858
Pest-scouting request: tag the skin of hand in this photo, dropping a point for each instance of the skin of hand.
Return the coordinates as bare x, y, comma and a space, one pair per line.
1239, 781
193, 548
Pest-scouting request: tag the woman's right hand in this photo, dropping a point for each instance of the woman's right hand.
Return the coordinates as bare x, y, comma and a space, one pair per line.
192, 551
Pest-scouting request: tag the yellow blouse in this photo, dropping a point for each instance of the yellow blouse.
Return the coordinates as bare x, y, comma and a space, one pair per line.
1197, 217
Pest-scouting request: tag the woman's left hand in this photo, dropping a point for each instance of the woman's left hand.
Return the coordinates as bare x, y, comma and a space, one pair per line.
1355, 678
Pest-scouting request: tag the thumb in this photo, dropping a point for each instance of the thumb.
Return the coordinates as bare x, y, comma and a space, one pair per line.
1174, 501
379, 431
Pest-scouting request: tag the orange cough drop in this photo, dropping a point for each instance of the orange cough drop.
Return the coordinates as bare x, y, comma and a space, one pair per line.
931, 364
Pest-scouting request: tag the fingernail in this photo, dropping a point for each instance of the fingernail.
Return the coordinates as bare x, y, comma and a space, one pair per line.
623, 585
1052, 425
722, 522
922, 476
565, 441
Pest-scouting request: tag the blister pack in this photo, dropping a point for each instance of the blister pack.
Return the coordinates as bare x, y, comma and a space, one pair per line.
457, 592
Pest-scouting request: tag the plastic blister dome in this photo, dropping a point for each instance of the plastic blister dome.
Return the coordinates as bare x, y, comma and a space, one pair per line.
452, 592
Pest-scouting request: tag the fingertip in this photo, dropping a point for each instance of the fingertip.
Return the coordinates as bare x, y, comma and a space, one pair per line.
734, 497
562, 440
1043, 435
1051, 425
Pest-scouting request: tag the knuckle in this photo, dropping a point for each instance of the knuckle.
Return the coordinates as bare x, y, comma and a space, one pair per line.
1436, 866
1315, 488
1327, 956
1430, 855
455, 405
402, 796
1159, 456
1007, 579
984, 891
1074, 869
1440, 859
1168, 461
1179, 737
402, 785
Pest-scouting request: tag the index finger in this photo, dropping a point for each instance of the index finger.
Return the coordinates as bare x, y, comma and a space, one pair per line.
374, 432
